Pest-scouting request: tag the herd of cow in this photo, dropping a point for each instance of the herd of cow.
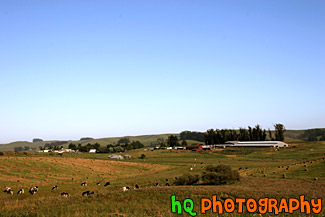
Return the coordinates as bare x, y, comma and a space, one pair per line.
33, 190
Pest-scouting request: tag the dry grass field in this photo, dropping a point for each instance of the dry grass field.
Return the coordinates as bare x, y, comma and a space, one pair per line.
261, 176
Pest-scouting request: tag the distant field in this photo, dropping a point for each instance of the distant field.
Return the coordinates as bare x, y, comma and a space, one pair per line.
262, 173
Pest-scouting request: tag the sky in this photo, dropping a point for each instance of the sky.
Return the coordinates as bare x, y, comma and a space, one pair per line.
71, 69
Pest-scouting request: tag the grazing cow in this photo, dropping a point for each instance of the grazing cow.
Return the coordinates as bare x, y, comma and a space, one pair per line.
55, 187
84, 184
21, 191
124, 189
64, 194
191, 168
167, 184
175, 178
7, 190
33, 190
87, 193
166, 180
136, 186
157, 184
98, 183
107, 184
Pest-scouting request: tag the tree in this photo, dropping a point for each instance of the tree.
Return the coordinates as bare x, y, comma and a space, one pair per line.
123, 140
270, 135
161, 142
37, 140
279, 132
184, 143
72, 146
172, 141
209, 137
219, 175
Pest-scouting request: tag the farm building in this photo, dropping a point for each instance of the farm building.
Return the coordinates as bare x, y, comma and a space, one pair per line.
92, 150
255, 144
116, 156
180, 148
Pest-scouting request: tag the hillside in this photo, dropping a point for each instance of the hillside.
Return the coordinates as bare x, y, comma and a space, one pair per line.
145, 139
290, 136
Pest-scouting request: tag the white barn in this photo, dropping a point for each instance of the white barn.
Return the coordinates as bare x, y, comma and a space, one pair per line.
274, 144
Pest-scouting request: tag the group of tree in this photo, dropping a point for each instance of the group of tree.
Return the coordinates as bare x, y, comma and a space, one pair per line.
86, 138
52, 145
192, 135
213, 175
110, 148
37, 140
251, 134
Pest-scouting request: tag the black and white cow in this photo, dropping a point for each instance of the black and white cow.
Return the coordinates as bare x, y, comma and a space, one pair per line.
84, 184
125, 188
33, 190
21, 191
107, 184
87, 193
55, 187
65, 194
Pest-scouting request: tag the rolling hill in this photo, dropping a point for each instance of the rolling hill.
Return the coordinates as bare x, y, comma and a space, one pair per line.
290, 136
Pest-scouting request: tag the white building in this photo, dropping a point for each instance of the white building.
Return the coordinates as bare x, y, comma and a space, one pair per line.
274, 144
115, 156
92, 150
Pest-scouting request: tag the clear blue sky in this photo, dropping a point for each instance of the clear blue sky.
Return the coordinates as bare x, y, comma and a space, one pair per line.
70, 69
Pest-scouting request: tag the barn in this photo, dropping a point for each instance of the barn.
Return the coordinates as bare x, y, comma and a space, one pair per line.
275, 144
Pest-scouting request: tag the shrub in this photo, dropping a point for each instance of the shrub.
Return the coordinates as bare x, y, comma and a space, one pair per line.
187, 179
219, 175
1, 153
143, 156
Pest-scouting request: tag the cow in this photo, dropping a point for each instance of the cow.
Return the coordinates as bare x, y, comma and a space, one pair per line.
65, 194
84, 184
87, 193
136, 187
98, 183
21, 191
124, 189
7, 190
55, 187
33, 190
107, 184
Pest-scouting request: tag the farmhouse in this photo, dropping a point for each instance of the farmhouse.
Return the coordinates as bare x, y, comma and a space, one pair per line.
274, 144
92, 150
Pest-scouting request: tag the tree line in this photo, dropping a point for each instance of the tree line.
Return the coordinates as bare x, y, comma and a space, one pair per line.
244, 134
110, 148
221, 136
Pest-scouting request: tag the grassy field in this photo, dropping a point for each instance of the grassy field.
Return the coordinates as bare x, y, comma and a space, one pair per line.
262, 176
